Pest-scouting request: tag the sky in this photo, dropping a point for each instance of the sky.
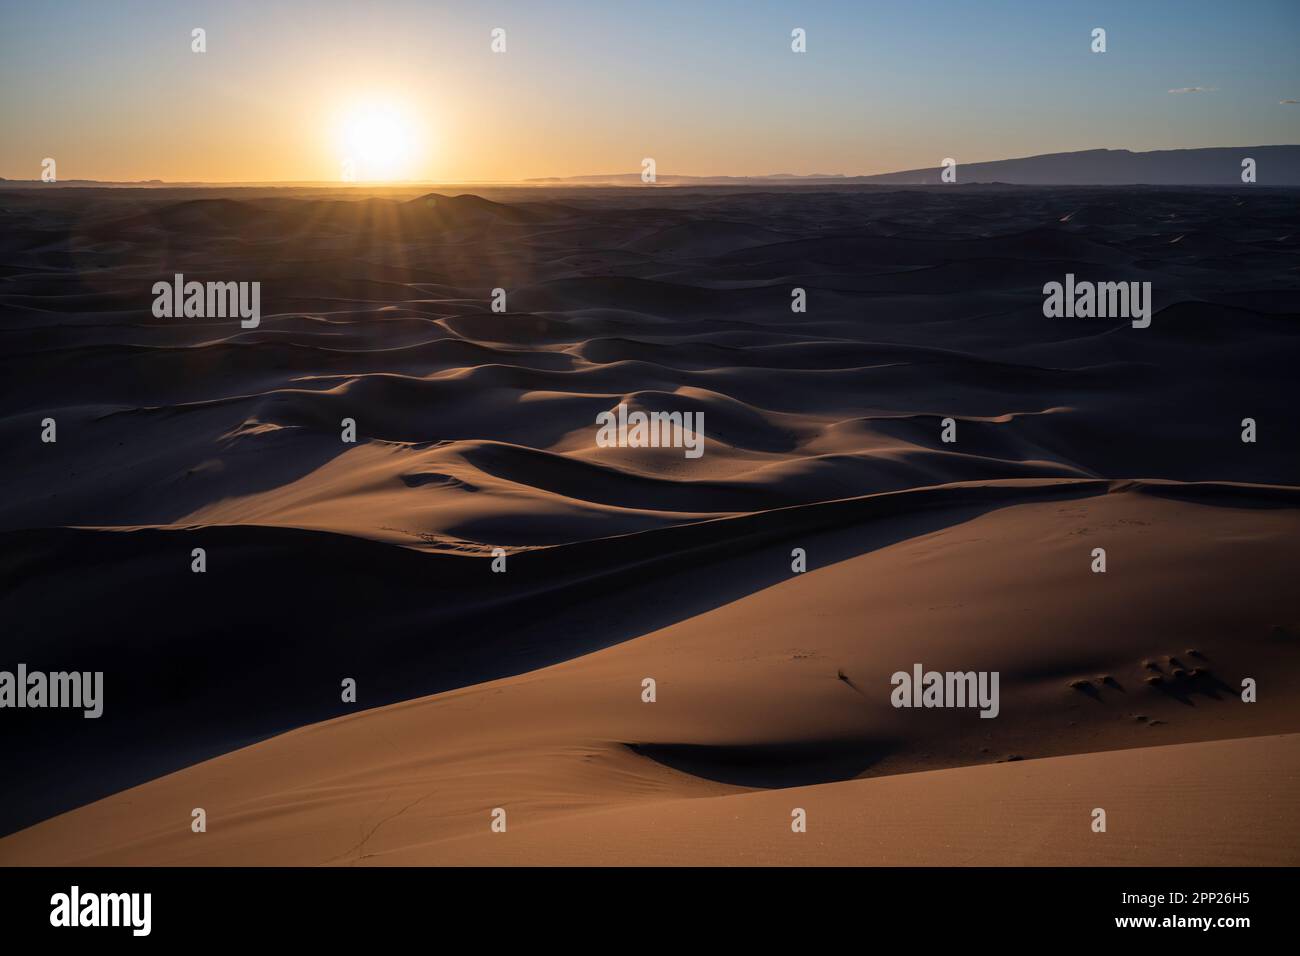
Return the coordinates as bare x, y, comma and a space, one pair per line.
411, 89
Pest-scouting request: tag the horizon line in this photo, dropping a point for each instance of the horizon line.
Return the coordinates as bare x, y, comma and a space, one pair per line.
578, 178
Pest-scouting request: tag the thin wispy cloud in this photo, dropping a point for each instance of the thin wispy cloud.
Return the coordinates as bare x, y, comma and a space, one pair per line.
1195, 89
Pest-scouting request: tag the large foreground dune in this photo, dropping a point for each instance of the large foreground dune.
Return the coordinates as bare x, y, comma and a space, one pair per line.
779, 699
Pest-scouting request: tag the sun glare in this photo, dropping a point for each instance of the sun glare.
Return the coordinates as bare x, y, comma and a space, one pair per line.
378, 141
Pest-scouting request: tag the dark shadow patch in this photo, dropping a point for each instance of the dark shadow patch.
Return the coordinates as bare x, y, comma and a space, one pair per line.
1183, 684
421, 479
769, 766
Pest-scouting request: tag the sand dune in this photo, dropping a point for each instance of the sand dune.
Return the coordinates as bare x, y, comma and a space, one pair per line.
823, 432
1207, 804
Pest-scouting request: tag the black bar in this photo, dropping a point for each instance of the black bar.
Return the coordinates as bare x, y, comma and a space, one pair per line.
441, 906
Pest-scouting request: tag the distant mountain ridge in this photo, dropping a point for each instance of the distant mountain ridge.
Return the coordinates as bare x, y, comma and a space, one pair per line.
1209, 166
1213, 166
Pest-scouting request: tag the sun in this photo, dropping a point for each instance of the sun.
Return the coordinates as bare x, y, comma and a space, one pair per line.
378, 141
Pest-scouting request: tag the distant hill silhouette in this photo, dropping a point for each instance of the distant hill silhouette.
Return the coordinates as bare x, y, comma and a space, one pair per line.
1217, 166
1212, 166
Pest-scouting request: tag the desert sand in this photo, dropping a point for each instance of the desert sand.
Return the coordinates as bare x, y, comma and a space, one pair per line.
523, 691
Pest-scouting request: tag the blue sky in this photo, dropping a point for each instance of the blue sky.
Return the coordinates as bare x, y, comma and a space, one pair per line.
113, 91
